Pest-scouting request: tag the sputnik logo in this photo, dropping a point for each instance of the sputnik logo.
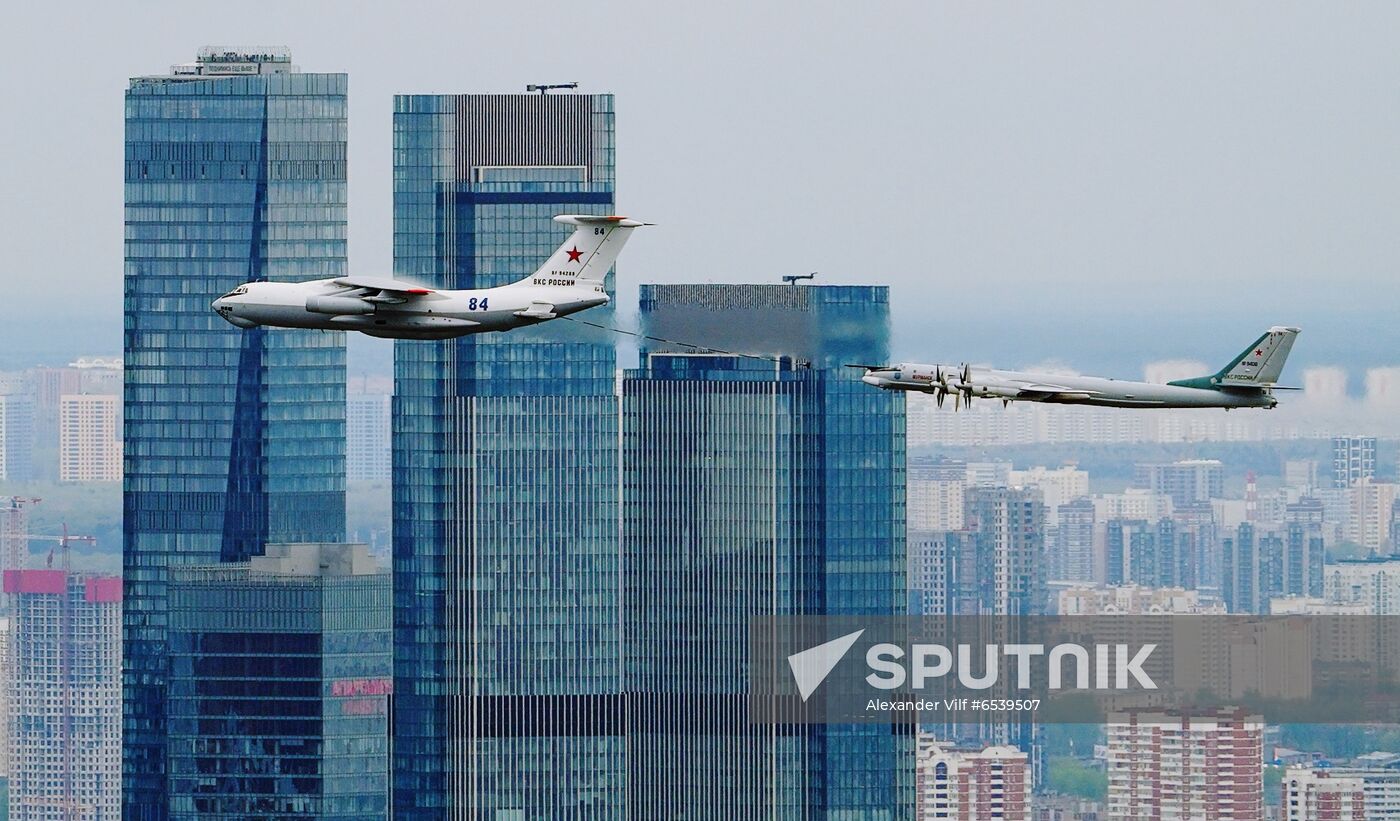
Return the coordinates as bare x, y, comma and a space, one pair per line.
811, 666
574, 254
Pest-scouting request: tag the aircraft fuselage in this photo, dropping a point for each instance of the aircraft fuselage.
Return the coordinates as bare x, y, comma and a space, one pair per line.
1023, 386
326, 305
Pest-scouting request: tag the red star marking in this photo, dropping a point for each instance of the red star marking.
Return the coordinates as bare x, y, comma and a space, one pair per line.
574, 254
1259, 352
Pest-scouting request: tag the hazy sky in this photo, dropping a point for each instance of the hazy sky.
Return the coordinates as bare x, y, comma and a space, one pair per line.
1104, 184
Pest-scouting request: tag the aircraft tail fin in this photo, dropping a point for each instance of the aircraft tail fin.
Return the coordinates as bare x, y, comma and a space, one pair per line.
1259, 365
589, 253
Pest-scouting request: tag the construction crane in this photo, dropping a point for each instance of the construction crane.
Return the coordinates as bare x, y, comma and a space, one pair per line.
545, 88
61, 542
792, 279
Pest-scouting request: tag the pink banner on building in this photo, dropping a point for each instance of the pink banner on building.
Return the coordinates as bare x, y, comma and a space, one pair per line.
104, 589
362, 687
49, 582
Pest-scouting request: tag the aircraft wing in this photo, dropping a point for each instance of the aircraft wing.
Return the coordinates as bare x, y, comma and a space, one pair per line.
393, 286
1041, 392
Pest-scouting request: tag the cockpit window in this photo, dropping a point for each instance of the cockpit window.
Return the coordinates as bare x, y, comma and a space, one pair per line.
239, 291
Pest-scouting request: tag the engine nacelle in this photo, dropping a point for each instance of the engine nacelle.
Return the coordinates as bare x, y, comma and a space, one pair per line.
337, 305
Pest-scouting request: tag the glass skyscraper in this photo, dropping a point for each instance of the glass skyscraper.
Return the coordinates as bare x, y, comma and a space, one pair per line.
756, 487
506, 619
279, 686
235, 171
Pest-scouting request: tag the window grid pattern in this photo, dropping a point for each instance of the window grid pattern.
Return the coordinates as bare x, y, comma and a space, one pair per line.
231, 438
504, 478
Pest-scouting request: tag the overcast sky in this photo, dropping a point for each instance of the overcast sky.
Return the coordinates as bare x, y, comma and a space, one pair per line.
1104, 184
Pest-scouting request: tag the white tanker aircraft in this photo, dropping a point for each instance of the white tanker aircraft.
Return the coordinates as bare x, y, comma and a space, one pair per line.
571, 280
1247, 382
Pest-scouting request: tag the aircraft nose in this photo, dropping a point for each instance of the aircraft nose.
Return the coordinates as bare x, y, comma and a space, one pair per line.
225, 307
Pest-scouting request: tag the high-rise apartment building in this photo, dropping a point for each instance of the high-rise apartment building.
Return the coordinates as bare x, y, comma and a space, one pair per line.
280, 678
1006, 532
507, 679
1133, 600
1353, 460
6, 687
1178, 765
1188, 481
89, 438
65, 696
17, 438
1333, 793
756, 487
235, 171
1369, 520
1072, 555
1057, 486
935, 500
367, 437
982, 784
1320, 795
14, 535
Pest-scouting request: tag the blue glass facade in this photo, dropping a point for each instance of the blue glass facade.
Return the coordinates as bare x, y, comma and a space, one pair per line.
232, 438
752, 487
504, 477
278, 691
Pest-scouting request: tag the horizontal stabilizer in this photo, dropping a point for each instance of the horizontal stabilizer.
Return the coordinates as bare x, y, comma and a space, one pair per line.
587, 219
538, 310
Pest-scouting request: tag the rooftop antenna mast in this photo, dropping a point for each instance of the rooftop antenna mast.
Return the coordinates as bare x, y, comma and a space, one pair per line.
545, 88
792, 279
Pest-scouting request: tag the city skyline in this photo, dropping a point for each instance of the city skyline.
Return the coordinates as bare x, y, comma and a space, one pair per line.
584, 527
1188, 197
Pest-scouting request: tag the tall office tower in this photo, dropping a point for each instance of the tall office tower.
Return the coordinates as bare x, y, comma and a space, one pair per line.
1353, 459
1192, 480
89, 441
987, 784
505, 476
1186, 765
279, 686
1007, 535
935, 495
235, 171
65, 705
367, 437
17, 438
1197, 543
1072, 558
750, 488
